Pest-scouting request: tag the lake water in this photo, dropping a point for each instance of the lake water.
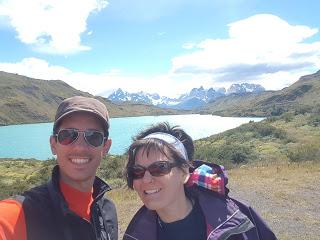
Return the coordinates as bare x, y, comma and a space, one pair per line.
32, 140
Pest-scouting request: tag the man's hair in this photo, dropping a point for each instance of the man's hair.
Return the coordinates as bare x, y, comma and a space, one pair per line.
150, 144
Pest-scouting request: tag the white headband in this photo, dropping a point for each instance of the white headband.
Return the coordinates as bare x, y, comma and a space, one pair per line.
172, 140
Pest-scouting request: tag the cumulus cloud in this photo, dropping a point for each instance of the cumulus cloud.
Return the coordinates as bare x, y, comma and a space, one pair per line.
258, 49
50, 26
102, 84
262, 49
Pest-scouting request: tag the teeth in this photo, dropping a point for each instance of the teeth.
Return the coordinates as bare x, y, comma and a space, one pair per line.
80, 160
151, 191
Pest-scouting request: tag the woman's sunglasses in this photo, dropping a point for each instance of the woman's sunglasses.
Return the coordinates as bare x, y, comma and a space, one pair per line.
69, 136
156, 169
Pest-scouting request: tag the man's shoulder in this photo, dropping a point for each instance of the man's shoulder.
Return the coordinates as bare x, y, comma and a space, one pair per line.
12, 220
10, 205
38, 193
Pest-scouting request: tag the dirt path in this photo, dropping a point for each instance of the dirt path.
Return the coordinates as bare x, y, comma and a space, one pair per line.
287, 196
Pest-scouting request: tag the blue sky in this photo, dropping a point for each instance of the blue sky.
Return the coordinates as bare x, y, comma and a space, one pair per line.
164, 46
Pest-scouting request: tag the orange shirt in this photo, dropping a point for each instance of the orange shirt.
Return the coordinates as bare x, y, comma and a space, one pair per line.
12, 219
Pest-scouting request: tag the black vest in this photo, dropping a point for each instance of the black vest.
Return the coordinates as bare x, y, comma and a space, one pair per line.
49, 218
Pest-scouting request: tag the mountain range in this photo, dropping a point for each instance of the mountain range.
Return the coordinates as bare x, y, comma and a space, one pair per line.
302, 96
196, 98
29, 100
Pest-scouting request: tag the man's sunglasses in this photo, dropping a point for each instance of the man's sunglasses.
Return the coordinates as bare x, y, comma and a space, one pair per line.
156, 169
70, 135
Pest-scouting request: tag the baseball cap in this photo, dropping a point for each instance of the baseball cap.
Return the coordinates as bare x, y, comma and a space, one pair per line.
82, 104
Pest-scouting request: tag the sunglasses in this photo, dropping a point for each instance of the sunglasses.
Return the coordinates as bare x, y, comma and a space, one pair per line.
70, 135
156, 169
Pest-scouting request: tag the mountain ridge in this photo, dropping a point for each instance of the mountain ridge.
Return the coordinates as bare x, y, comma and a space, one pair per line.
196, 98
303, 96
29, 100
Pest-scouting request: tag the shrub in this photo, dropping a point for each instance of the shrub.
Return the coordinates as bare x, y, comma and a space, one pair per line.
227, 154
314, 121
287, 116
262, 129
236, 153
271, 119
112, 167
307, 152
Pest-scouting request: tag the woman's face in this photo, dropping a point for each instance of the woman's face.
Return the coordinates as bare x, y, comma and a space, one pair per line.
163, 193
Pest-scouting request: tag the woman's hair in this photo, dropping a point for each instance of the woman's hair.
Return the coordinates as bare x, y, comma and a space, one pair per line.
154, 144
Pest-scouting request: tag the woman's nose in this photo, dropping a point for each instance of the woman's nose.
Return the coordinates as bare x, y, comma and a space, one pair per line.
147, 178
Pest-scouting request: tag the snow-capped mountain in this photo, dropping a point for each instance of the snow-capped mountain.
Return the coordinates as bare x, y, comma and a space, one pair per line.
141, 97
245, 88
197, 97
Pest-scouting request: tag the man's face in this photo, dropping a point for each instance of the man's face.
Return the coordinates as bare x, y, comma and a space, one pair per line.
79, 161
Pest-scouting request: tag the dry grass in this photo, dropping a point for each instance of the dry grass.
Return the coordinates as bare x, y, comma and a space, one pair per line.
127, 203
286, 195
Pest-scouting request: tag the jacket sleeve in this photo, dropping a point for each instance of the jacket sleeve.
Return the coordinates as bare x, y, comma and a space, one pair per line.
12, 220
264, 232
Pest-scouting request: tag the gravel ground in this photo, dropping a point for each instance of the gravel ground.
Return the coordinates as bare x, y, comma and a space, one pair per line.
287, 196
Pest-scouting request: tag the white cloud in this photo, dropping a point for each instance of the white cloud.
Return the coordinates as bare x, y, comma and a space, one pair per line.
50, 26
260, 49
96, 84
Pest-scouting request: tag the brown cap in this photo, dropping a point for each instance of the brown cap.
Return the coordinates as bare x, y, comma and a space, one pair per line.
82, 104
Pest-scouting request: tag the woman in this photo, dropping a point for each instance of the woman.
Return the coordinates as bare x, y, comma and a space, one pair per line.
183, 198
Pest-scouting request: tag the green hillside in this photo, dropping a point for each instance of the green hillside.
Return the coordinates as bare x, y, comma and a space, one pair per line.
302, 96
283, 139
28, 100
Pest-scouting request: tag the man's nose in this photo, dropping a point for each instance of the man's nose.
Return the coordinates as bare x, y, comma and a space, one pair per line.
81, 141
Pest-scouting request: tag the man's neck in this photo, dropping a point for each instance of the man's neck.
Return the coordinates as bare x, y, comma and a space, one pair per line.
82, 186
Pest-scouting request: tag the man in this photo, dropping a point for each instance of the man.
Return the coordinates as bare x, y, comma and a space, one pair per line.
72, 204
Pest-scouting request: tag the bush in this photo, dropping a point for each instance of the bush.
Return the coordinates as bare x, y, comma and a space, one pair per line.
271, 119
262, 129
227, 154
236, 153
307, 152
314, 121
112, 167
287, 116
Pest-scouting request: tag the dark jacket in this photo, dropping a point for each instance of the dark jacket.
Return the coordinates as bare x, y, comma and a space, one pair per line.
226, 218
48, 217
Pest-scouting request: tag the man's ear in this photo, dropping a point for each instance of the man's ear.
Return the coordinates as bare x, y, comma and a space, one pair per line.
106, 146
53, 144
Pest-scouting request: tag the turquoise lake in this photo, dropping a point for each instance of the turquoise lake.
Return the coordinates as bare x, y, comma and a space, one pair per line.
32, 140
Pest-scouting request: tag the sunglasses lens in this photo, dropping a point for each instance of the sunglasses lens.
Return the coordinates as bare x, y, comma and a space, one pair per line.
67, 136
94, 138
159, 168
156, 169
137, 172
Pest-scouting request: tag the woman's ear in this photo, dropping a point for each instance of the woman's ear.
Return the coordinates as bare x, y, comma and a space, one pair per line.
186, 175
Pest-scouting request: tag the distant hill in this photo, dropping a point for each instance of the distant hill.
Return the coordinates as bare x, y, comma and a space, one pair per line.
28, 100
302, 96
